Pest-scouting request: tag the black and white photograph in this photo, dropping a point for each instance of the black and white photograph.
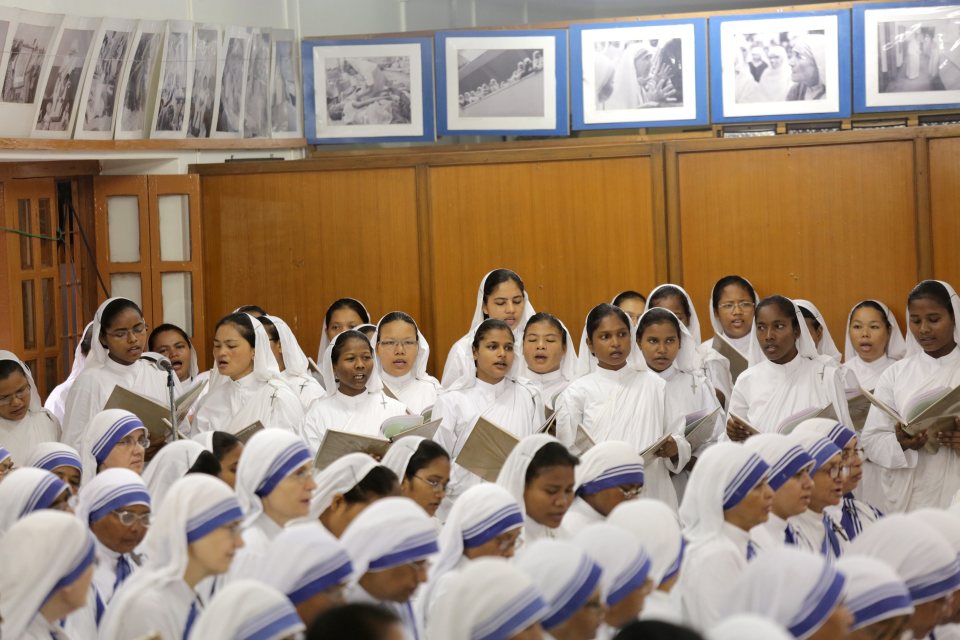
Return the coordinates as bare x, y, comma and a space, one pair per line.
58, 104
256, 118
174, 94
368, 90
206, 50
28, 49
511, 82
100, 93
284, 86
908, 56
137, 89
782, 66
229, 121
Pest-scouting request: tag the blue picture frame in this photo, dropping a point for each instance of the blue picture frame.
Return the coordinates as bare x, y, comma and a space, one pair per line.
553, 118
868, 98
583, 65
419, 129
724, 86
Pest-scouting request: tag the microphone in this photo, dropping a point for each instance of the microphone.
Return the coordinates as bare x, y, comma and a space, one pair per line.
163, 362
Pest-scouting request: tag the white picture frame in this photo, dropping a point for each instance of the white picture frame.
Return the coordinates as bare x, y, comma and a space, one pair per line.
206, 54
256, 93
286, 96
231, 83
171, 110
97, 116
139, 86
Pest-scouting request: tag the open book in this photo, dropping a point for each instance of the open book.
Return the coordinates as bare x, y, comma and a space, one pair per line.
859, 406
154, 415
247, 432
700, 426
486, 449
336, 444
583, 441
788, 424
738, 363
933, 411
549, 425
650, 453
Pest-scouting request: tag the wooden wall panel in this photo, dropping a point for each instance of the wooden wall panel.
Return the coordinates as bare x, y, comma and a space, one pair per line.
944, 154
834, 223
577, 232
294, 242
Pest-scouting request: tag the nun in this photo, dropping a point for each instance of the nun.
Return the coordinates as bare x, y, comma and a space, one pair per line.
355, 400
27, 490
170, 464
549, 357
115, 438
343, 315
226, 449
947, 524
245, 385
292, 361
918, 471
491, 599
172, 342
570, 583
57, 400
423, 467
501, 296
632, 302
876, 597
248, 610
347, 487
6, 462
726, 497
539, 474
119, 335
748, 626
818, 329
35, 596
24, 423
873, 342
402, 355
608, 474
815, 530
389, 544
732, 305
60, 460
194, 536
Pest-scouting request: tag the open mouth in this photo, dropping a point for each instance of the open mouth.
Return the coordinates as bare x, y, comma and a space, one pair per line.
399, 363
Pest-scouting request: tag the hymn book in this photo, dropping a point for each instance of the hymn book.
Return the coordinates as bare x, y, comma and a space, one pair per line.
336, 444
486, 449
738, 364
933, 411
154, 415
700, 426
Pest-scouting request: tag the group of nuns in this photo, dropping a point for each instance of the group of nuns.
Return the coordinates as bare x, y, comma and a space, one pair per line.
787, 520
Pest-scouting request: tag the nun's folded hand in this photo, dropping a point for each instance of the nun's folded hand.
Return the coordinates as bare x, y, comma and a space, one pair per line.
736, 430
910, 442
668, 449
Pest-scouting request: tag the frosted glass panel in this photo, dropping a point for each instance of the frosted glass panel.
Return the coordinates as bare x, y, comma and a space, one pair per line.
174, 228
177, 291
123, 222
126, 285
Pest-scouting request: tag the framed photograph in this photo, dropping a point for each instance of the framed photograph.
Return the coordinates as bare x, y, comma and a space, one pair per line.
256, 116
286, 118
368, 90
231, 73
139, 87
906, 57
29, 46
639, 74
780, 66
206, 50
176, 72
98, 103
502, 83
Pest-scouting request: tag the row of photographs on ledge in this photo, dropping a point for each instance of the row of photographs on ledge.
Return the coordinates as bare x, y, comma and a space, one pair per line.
104, 78
762, 67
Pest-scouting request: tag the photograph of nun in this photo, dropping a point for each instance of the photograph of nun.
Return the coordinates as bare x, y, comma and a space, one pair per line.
284, 93
101, 97
230, 113
638, 74
171, 106
137, 89
63, 81
207, 46
368, 90
255, 119
500, 82
918, 55
781, 66
30, 44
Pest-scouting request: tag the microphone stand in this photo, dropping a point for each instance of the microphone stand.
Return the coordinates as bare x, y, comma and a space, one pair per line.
173, 403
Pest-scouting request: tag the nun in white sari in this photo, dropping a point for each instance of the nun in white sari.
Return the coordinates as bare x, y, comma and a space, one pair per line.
915, 472
545, 332
397, 339
296, 365
27, 490
232, 404
56, 402
609, 473
735, 298
816, 531
867, 328
169, 465
34, 596
825, 346
24, 423
248, 610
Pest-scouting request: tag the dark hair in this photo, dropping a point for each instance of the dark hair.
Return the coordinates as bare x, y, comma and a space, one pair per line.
629, 294
785, 305
346, 303
114, 309
601, 311
552, 454
251, 308
670, 291
10, 367
486, 327
932, 290
725, 282
543, 316
86, 341
380, 482
355, 621
242, 323
497, 277
224, 443
656, 630
270, 328
806, 313
397, 316
367, 330
206, 463
163, 328
658, 315
341, 340
872, 304
427, 452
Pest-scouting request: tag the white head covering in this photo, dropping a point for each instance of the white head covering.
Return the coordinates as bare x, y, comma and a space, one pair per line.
423, 352
80, 360
106, 429
623, 561
946, 523
687, 357
827, 346
874, 591
478, 317
324, 340
723, 476
913, 347
922, 558
265, 367
169, 465
607, 465
268, 457
205, 439
330, 378
66, 549
35, 405
896, 347
388, 533
98, 354
568, 363
795, 588
490, 599
195, 506
747, 626
341, 476
513, 475
303, 560
753, 352
821, 449
588, 363
832, 430
24, 491
656, 527
398, 455
785, 457
295, 361
694, 327
50, 455
248, 610
111, 490
564, 574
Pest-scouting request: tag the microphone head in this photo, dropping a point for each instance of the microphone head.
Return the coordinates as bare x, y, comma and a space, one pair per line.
161, 361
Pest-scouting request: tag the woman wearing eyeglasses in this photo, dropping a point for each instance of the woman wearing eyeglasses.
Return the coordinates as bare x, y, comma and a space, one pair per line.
24, 423
423, 467
402, 354
609, 473
815, 530
732, 304
119, 338
115, 438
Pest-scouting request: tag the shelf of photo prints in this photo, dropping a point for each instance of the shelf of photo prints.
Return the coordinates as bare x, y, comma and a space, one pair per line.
764, 67
67, 77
